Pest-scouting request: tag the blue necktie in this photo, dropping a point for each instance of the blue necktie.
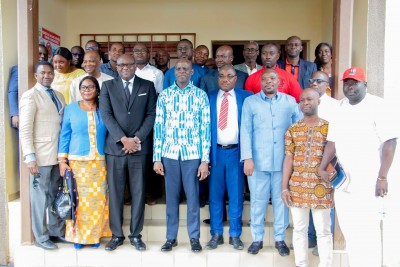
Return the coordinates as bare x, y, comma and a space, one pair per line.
53, 98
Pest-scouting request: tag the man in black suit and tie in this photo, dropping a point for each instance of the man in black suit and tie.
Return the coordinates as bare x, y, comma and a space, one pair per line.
128, 107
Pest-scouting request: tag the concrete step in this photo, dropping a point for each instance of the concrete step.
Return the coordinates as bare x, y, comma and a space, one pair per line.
181, 256
155, 231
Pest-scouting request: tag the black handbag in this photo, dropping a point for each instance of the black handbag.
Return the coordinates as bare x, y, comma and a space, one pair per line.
62, 203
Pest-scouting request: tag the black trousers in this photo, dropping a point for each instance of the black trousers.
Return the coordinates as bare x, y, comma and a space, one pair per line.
118, 170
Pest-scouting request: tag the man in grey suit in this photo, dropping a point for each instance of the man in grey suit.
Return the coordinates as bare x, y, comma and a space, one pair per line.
250, 54
128, 107
223, 56
301, 69
40, 112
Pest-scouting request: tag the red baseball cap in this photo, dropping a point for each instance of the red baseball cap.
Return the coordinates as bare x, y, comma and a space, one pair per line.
355, 73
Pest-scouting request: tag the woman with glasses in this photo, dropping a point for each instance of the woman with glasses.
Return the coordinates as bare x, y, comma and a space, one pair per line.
64, 71
81, 149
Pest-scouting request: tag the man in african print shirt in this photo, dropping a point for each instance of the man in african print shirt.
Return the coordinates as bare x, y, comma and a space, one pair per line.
302, 188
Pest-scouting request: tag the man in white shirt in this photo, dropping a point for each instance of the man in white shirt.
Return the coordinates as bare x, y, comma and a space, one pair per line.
144, 70
364, 139
91, 64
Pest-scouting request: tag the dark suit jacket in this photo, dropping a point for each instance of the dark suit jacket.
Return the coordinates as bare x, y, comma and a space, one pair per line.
121, 118
306, 69
13, 91
209, 81
240, 97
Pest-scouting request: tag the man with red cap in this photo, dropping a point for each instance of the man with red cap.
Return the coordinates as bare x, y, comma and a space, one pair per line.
364, 141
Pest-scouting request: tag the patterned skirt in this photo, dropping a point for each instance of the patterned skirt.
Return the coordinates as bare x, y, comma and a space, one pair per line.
92, 221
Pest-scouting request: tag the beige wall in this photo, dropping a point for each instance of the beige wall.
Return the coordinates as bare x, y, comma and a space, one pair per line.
359, 46
209, 19
53, 16
9, 34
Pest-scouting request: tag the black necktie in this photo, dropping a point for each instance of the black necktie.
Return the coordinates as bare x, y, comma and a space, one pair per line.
127, 92
53, 98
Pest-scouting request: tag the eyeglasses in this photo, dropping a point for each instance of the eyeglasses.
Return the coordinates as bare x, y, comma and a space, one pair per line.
139, 50
95, 47
77, 54
181, 49
87, 88
319, 81
229, 77
127, 65
250, 50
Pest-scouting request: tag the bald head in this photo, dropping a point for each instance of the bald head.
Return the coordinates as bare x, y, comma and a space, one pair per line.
224, 56
183, 72
91, 63
309, 101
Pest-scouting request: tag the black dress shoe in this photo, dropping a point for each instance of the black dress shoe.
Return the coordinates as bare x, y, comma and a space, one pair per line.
255, 247
58, 239
114, 243
282, 248
236, 243
206, 221
195, 245
138, 243
215, 241
49, 245
169, 244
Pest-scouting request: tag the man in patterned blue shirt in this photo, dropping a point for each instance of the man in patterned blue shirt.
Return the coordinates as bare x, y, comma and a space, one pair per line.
182, 143
265, 119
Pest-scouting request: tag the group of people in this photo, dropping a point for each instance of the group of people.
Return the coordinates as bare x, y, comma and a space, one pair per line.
274, 123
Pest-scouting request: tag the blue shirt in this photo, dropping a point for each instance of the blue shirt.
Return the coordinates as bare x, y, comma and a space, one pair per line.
182, 125
263, 127
106, 68
169, 78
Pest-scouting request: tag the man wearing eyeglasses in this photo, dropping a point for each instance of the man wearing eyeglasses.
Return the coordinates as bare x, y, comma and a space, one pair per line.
115, 51
127, 105
226, 168
223, 56
93, 45
184, 49
364, 136
91, 64
301, 69
144, 69
250, 54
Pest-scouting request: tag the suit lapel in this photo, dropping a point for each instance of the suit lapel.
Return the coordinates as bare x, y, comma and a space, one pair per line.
135, 89
213, 104
47, 98
239, 102
301, 71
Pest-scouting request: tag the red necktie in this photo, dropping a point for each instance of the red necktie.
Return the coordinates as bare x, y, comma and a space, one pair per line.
223, 113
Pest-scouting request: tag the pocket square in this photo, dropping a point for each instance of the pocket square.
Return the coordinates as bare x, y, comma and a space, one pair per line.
142, 94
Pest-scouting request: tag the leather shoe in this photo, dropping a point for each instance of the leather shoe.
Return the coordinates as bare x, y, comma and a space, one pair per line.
282, 248
58, 239
236, 243
215, 241
255, 247
114, 243
138, 243
195, 245
206, 221
46, 245
169, 244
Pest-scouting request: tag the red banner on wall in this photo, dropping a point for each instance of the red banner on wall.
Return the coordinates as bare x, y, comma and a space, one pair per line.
51, 36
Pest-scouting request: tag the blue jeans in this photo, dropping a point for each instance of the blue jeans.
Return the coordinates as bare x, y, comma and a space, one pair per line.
263, 185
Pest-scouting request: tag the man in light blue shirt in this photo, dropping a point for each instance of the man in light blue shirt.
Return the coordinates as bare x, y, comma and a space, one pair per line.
265, 119
182, 143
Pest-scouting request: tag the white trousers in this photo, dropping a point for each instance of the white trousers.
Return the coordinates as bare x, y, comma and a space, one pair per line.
359, 221
322, 222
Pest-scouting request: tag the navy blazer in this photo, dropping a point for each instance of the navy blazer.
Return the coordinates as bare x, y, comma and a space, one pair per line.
306, 69
209, 81
130, 119
240, 97
13, 91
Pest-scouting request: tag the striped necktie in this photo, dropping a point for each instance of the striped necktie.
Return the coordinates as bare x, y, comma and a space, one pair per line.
223, 113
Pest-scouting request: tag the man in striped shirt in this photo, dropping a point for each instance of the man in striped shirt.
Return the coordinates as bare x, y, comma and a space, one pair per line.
181, 150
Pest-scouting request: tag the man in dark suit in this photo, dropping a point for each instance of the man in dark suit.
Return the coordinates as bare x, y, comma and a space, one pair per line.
223, 56
127, 105
226, 169
301, 69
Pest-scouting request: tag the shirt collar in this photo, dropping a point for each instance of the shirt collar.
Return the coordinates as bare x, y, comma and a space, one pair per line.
266, 98
38, 85
221, 93
287, 63
131, 80
188, 87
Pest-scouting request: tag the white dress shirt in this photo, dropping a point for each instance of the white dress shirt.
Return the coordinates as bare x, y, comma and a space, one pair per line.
130, 86
152, 74
75, 95
230, 135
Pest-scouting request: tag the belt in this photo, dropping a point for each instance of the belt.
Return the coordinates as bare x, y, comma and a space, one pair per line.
227, 146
